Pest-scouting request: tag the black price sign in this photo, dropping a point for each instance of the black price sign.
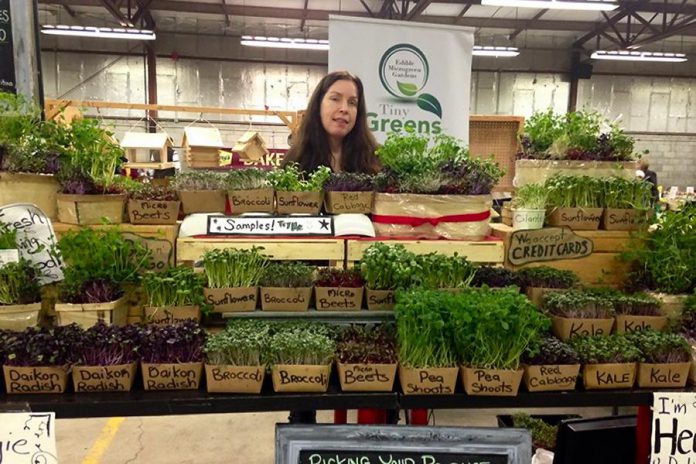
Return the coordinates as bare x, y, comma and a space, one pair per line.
7, 67
397, 457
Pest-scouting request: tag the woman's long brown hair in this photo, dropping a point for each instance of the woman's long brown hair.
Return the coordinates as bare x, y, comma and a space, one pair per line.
310, 145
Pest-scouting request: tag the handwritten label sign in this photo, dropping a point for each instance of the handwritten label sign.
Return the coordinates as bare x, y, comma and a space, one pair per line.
162, 250
333, 444
302, 225
9, 256
7, 70
28, 438
673, 428
184, 376
36, 240
550, 244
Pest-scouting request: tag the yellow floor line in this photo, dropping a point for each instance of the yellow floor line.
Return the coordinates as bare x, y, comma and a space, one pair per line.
105, 438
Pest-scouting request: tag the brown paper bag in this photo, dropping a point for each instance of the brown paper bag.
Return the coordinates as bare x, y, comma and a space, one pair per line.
153, 211
663, 375
428, 381
380, 300
234, 379
300, 378
566, 328
298, 202
491, 382
182, 376
338, 298
171, 314
558, 377
624, 219
575, 218
251, 201
40, 379
367, 377
229, 300
628, 323
608, 376
114, 378
203, 201
349, 202
285, 299
458, 217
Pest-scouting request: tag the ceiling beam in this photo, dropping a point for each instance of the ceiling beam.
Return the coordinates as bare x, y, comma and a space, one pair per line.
461, 14
143, 10
386, 7
527, 25
601, 27
420, 7
655, 6
367, 8
224, 11
304, 15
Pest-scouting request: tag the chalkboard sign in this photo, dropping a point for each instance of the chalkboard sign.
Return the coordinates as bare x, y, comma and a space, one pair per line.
360, 444
264, 225
7, 67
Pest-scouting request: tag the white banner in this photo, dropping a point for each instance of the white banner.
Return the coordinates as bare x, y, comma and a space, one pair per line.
28, 438
417, 77
673, 428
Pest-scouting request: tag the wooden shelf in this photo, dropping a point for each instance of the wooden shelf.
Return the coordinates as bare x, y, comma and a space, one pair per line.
155, 166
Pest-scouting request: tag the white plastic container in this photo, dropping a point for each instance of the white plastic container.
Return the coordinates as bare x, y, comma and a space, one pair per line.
528, 219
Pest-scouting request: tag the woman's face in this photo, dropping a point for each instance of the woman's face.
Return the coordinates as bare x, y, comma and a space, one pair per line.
339, 109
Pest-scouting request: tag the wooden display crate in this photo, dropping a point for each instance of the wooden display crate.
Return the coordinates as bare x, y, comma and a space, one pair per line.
161, 239
489, 251
497, 136
191, 249
601, 268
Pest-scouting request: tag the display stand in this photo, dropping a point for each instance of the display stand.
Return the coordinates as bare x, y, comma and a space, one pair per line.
601, 268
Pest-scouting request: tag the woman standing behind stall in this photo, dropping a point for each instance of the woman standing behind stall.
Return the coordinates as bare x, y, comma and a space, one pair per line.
334, 130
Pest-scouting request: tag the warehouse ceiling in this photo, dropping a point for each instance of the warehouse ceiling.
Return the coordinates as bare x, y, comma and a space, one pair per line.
653, 25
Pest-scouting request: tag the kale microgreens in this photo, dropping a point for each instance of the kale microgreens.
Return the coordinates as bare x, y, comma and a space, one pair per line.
661, 347
232, 268
615, 348
242, 343
580, 304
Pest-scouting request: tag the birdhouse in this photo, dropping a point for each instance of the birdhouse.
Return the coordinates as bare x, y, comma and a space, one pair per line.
251, 146
146, 151
201, 146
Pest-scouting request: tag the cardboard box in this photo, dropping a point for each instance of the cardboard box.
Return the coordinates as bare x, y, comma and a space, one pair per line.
40, 379
338, 298
349, 202
251, 201
230, 300
285, 299
298, 202
88, 314
234, 379
428, 381
367, 377
575, 218
491, 382
566, 328
629, 323
558, 377
153, 212
116, 378
608, 376
179, 376
301, 378
673, 375
380, 300
90, 209
171, 314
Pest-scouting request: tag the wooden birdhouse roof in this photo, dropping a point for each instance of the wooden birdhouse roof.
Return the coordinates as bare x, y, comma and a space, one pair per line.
209, 137
145, 140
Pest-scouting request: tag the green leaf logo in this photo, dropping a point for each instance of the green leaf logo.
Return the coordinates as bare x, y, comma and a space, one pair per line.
429, 103
407, 89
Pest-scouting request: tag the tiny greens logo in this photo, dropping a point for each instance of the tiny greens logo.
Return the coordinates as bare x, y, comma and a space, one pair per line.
404, 71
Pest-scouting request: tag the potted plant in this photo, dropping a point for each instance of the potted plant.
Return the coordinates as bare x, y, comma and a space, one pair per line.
489, 351
286, 286
249, 191
349, 192
536, 281
638, 312
665, 359
107, 358
427, 360
234, 358
609, 362
201, 191
171, 356
20, 295
173, 296
686, 326
627, 204
366, 358
579, 313
529, 207
152, 204
338, 289
300, 356
579, 142
296, 195
439, 191
98, 264
494, 277
233, 278
387, 268
38, 360
440, 272
30, 153
550, 365
574, 201
89, 184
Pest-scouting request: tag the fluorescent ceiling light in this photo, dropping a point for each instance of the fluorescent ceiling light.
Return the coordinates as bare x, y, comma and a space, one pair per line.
100, 32
624, 55
284, 42
555, 4
495, 51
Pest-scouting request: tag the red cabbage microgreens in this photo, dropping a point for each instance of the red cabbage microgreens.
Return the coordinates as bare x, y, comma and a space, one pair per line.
57, 346
109, 345
332, 277
180, 343
549, 350
349, 182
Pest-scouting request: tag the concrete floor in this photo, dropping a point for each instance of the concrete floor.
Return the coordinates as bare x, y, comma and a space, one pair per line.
245, 438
